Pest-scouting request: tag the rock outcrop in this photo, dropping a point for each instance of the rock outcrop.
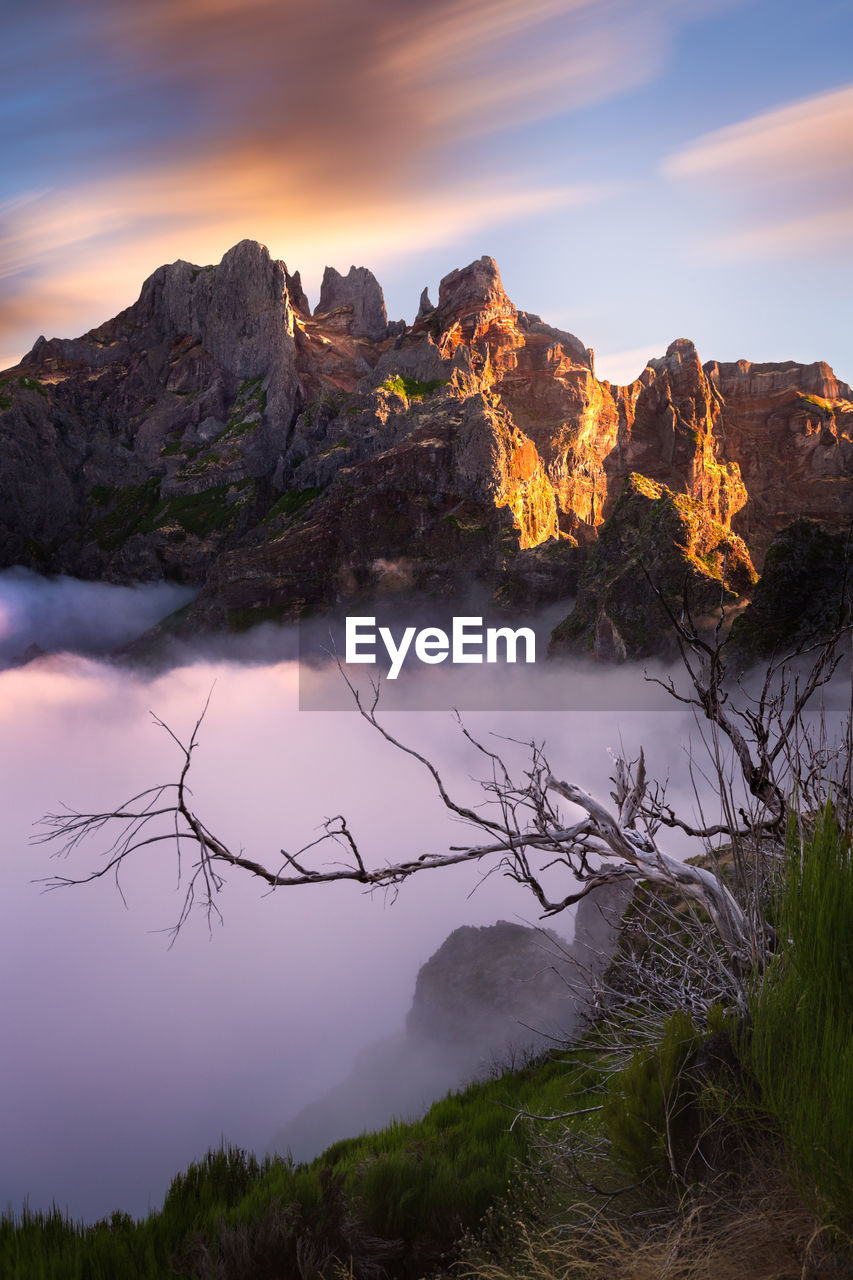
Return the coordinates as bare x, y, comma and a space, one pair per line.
487, 997
805, 593
790, 426
355, 301
220, 434
657, 554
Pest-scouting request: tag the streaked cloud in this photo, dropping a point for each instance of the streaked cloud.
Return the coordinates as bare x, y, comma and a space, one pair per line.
87, 251
785, 176
174, 128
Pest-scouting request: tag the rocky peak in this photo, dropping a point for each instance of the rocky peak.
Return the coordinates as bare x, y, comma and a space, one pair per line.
672, 432
218, 387
296, 293
489, 987
358, 297
680, 348
239, 310
425, 307
474, 294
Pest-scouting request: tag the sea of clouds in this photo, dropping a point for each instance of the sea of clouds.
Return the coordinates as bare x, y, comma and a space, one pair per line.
124, 1058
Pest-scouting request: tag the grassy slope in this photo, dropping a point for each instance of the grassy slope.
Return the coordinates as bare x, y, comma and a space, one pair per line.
416, 1186
707, 1151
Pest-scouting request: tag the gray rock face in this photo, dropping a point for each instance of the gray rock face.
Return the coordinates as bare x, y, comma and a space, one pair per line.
359, 296
425, 306
239, 312
487, 987
485, 997
217, 432
296, 293
598, 920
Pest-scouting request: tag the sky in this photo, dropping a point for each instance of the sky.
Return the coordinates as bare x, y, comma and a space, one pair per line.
640, 169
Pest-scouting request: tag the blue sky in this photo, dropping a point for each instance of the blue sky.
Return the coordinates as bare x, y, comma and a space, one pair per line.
640, 171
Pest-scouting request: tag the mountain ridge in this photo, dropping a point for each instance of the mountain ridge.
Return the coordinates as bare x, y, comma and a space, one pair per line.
219, 433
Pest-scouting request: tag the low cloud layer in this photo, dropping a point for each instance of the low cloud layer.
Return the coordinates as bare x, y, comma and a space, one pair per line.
124, 1060
85, 617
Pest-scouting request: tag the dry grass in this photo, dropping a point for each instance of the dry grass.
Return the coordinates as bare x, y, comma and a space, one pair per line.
765, 1234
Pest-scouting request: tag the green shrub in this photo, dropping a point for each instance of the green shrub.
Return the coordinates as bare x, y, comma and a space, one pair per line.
402, 1194
649, 1107
291, 501
801, 1043
411, 388
32, 384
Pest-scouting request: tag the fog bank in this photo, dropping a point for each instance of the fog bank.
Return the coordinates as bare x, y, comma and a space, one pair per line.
86, 617
124, 1060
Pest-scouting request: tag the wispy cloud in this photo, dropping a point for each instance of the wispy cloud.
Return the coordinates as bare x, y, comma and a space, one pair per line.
786, 174
88, 250
177, 127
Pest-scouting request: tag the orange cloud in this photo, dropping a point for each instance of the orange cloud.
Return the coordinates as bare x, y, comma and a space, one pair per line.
809, 139
330, 131
88, 250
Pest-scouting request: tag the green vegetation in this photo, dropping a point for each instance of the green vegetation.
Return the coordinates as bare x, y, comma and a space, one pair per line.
825, 406
410, 388
719, 1064
343, 443
291, 501
200, 465
632, 1142
804, 591
208, 512
27, 384
245, 619
470, 524
131, 510
139, 509
649, 1104
36, 549
32, 384
333, 400
801, 1046
403, 1194
247, 410
177, 448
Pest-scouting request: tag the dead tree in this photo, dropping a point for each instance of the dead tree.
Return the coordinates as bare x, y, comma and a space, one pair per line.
539, 830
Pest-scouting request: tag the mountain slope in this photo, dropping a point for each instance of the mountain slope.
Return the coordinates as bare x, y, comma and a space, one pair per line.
218, 433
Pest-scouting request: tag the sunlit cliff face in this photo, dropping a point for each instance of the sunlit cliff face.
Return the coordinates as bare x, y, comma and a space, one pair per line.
566, 442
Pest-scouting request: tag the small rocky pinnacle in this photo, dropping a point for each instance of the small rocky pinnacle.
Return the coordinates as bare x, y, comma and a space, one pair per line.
360, 290
425, 306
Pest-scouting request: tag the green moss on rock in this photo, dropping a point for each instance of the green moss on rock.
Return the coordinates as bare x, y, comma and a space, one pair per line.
139, 509
291, 501
804, 593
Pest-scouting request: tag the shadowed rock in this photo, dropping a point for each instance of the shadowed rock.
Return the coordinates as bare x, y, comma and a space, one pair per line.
358, 299
488, 997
